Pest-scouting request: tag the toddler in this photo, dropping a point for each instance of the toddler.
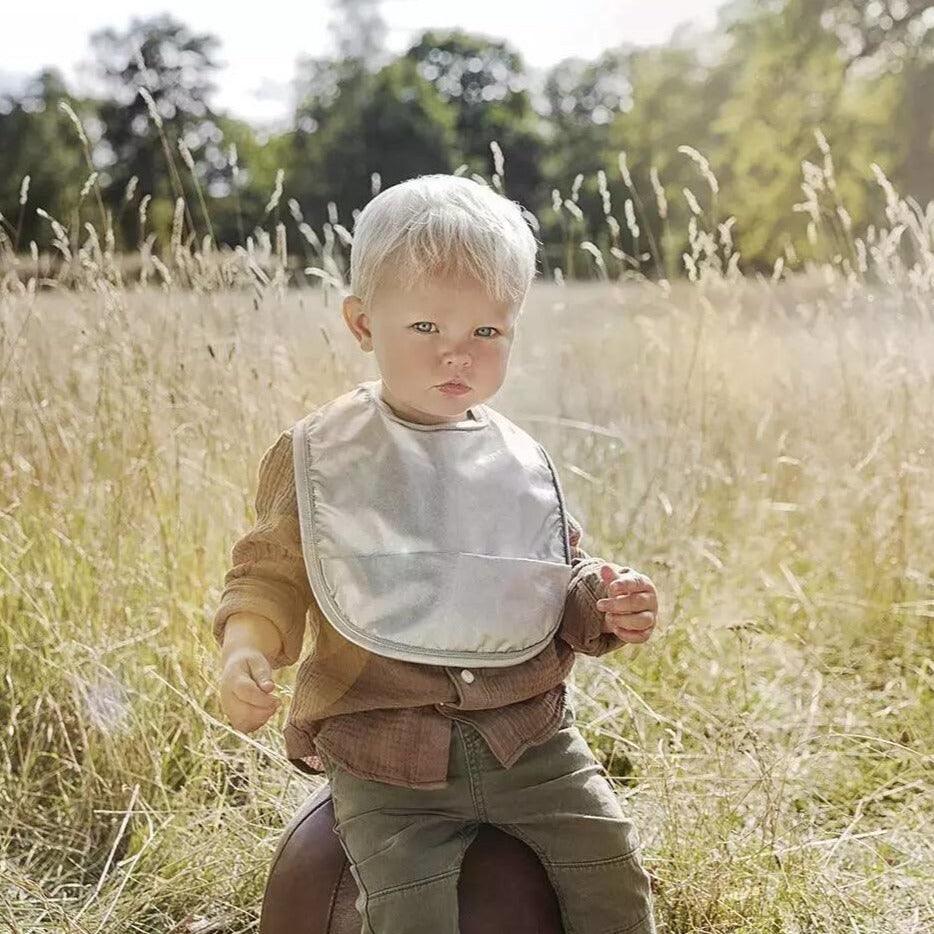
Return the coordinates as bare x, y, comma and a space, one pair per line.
425, 538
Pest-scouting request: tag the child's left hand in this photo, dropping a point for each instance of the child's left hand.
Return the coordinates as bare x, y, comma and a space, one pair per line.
631, 605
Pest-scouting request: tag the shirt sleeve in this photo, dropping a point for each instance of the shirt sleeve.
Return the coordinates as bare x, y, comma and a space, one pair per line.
582, 623
267, 575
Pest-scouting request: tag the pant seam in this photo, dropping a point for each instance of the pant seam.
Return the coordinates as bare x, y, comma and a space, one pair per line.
476, 792
603, 861
405, 886
635, 924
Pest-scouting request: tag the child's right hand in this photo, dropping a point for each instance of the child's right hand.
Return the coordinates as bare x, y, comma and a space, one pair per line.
245, 688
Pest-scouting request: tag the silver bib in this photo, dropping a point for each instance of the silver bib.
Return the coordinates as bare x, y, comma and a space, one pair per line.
441, 544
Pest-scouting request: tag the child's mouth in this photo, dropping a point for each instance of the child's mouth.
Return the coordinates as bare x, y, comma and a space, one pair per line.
454, 389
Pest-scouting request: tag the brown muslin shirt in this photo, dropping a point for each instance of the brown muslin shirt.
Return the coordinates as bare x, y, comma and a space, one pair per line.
383, 718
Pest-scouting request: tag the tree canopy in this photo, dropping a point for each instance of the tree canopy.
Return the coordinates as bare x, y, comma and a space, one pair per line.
712, 124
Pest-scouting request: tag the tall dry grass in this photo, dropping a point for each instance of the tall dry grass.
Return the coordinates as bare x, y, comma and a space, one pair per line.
760, 445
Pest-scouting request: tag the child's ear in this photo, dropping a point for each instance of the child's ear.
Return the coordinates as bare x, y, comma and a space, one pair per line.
358, 321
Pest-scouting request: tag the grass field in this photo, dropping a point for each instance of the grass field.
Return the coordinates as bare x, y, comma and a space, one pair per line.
761, 447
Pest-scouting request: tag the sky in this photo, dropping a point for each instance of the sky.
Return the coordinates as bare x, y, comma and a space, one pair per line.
259, 43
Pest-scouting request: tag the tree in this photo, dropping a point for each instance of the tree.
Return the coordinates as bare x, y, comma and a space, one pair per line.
674, 98
583, 99
484, 82
237, 202
174, 65
787, 79
892, 41
37, 139
392, 123
883, 29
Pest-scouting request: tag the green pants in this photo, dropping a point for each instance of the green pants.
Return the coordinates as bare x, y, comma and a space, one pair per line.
405, 845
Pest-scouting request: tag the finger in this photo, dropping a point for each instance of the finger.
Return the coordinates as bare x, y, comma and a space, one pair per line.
250, 691
261, 672
636, 621
247, 692
622, 604
629, 584
626, 630
245, 716
628, 603
254, 710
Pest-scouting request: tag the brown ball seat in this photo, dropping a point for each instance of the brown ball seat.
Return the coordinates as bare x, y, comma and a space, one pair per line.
310, 890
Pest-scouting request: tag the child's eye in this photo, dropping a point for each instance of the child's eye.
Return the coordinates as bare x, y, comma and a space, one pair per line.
485, 327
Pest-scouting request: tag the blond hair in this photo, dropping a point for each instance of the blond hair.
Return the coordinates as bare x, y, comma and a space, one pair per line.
443, 225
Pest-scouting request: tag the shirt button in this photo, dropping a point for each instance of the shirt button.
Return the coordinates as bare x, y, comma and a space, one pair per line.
467, 675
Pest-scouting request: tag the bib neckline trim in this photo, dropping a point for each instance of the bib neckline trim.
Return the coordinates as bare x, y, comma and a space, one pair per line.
479, 420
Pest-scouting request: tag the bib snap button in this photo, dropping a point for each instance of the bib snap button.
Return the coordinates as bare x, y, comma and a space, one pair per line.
467, 675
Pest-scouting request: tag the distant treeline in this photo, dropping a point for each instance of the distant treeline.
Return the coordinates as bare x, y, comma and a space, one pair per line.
630, 151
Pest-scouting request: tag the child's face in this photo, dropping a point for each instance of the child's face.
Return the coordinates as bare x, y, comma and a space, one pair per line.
443, 330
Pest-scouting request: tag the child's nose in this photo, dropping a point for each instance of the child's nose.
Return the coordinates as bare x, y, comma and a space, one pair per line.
457, 357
